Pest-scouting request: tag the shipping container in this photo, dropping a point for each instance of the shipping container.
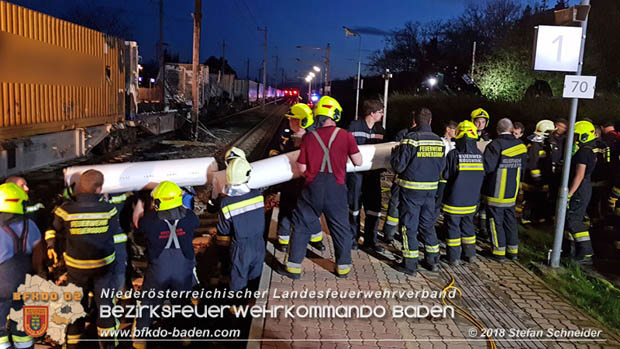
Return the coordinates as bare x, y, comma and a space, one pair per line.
179, 79
56, 75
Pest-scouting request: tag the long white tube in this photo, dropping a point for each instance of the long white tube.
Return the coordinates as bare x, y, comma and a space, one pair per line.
132, 176
282, 168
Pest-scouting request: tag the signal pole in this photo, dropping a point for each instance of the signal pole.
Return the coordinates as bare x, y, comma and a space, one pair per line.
264, 65
195, 60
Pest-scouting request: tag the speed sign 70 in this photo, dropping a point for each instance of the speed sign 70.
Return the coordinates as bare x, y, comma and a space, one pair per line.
579, 86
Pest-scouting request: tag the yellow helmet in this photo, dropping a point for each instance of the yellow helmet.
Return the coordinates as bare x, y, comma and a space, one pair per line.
544, 127
233, 153
479, 113
584, 132
167, 196
466, 129
299, 111
12, 198
238, 171
328, 106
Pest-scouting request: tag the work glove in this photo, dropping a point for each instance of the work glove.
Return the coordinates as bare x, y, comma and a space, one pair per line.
52, 255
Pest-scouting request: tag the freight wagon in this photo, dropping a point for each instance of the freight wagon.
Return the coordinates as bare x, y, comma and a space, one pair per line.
63, 88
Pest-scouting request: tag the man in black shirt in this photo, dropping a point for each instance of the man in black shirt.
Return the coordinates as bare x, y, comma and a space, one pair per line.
580, 192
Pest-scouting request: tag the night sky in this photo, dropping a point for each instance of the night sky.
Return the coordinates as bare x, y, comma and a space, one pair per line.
289, 23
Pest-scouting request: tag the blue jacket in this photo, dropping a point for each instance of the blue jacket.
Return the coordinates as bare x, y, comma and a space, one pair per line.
157, 233
8, 242
419, 159
241, 217
504, 161
464, 174
365, 135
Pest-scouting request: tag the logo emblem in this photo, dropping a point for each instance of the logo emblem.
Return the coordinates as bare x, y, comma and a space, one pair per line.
35, 320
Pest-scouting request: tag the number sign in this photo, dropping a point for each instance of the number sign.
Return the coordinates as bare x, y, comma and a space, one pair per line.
579, 86
557, 48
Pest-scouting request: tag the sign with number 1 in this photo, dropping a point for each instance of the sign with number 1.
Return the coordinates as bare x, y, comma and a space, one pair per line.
557, 48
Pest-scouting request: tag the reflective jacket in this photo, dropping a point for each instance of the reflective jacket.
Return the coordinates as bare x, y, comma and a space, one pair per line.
464, 174
602, 171
536, 173
504, 160
364, 135
88, 224
418, 160
241, 217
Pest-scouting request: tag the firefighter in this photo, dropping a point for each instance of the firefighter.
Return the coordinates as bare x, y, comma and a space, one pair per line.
86, 226
168, 231
580, 191
418, 161
504, 161
32, 209
600, 179
322, 159
480, 118
447, 139
555, 160
391, 221
365, 188
464, 174
241, 225
19, 241
536, 179
120, 243
290, 191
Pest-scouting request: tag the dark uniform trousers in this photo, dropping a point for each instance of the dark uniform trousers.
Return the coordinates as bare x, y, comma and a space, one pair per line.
392, 219
92, 280
364, 189
290, 192
417, 210
12, 274
247, 256
322, 195
461, 235
503, 229
170, 270
578, 234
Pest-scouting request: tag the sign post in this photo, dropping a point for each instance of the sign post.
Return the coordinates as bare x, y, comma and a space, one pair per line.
555, 49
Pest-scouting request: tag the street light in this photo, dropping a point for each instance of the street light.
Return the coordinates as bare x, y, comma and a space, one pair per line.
432, 82
327, 89
348, 32
316, 69
311, 74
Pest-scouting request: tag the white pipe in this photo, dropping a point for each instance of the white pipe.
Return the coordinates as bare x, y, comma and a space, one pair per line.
132, 176
283, 168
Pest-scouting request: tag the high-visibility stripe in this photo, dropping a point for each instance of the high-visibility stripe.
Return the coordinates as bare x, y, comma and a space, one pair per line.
316, 237
362, 134
117, 199
515, 150
491, 201
494, 231
88, 223
499, 252
512, 249
34, 208
432, 249
406, 252
582, 236
535, 173
421, 142
243, 206
50, 234
21, 339
418, 185
120, 238
502, 183
4, 339
411, 254
343, 269
616, 191
391, 220
474, 166
454, 242
89, 263
222, 240
468, 240
85, 231
542, 153
294, 268
459, 210
283, 240
90, 215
